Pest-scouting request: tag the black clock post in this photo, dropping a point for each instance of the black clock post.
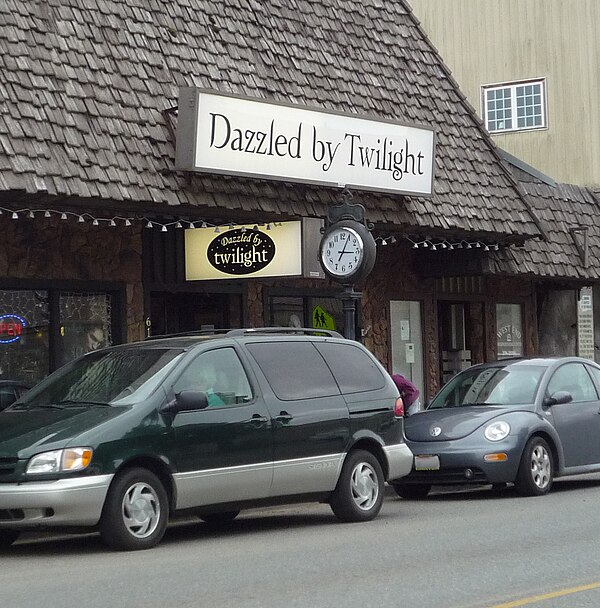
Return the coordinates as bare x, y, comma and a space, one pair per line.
347, 253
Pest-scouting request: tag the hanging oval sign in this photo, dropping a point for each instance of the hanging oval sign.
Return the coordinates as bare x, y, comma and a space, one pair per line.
11, 328
241, 251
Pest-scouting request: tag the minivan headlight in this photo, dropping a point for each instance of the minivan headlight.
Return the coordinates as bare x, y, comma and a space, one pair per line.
496, 431
60, 461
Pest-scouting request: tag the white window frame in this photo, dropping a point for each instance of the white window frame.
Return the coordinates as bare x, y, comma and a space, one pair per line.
513, 86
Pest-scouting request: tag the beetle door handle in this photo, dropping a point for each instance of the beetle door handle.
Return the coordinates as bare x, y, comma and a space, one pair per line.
283, 417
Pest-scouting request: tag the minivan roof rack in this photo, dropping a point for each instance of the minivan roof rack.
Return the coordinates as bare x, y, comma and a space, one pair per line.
195, 332
311, 331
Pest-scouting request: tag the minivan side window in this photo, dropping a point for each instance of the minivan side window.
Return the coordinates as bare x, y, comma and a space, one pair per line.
295, 370
352, 367
220, 374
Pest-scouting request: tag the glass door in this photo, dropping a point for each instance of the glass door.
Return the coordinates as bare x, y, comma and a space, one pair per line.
407, 341
455, 338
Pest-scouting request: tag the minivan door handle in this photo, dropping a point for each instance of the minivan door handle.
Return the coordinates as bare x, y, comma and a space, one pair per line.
257, 420
283, 417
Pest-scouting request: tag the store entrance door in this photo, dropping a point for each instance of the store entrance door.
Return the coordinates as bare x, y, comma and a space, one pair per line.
454, 337
173, 313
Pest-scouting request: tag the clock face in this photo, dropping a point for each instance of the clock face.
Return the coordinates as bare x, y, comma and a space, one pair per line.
342, 251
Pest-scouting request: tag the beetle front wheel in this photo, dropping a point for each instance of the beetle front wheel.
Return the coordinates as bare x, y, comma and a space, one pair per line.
536, 469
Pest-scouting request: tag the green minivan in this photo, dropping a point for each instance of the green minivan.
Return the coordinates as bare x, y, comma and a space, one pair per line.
122, 438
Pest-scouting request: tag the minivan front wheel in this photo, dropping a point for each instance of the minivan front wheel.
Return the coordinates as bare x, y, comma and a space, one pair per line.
359, 492
136, 511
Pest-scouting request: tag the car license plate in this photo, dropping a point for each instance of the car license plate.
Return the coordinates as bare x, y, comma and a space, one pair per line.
427, 463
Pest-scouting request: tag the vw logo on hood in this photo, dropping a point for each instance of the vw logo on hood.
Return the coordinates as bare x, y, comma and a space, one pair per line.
435, 431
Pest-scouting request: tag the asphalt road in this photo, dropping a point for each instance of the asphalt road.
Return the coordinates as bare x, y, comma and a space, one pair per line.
461, 549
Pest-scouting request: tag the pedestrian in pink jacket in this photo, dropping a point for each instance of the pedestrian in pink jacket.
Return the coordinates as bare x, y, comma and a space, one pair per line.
408, 391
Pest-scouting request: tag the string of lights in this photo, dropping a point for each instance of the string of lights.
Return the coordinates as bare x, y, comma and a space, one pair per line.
440, 244
116, 220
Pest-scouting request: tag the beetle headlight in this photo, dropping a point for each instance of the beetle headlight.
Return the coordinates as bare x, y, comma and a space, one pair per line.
60, 461
497, 430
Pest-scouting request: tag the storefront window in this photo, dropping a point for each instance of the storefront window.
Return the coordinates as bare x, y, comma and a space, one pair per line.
85, 324
41, 330
407, 341
286, 312
509, 330
303, 311
173, 313
24, 328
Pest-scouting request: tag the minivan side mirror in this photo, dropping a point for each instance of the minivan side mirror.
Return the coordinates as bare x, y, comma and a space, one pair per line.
187, 401
558, 397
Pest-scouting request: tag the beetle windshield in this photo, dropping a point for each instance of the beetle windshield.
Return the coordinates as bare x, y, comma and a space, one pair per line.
510, 385
119, 376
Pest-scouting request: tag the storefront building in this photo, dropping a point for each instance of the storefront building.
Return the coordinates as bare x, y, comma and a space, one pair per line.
117, 225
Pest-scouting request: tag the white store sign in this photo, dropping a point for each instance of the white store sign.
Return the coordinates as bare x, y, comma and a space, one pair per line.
218, 133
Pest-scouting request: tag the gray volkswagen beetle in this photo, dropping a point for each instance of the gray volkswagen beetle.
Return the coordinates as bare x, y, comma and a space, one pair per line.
522, 421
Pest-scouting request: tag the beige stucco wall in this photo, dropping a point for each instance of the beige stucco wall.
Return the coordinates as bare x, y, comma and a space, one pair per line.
495, 41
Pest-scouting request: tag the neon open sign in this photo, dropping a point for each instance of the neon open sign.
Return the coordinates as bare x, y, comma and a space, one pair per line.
11, 328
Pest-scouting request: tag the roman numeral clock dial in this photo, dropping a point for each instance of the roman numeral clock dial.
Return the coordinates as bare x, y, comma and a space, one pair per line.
347, 251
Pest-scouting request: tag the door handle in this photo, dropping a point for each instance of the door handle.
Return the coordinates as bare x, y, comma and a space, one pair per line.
283, 417
257, 420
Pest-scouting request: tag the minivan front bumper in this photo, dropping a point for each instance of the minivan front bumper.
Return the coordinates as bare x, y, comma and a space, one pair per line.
400, 460
64, 502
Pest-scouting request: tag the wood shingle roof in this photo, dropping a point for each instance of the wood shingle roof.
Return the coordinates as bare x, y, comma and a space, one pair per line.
570, 215
84, 85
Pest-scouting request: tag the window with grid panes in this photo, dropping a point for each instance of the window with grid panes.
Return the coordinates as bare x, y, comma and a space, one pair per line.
515, 106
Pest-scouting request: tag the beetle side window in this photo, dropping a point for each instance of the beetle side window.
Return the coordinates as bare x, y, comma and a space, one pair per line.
295, 370
352, 367
220, 374
595, 373
573, 378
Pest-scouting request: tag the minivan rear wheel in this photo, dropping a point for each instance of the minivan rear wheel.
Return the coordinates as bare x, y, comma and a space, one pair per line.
136, 511
358, 495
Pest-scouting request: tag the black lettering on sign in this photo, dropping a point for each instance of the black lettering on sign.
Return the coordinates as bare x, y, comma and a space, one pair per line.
241, 251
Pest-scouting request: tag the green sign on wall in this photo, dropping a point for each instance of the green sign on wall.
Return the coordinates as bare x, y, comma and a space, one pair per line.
322, 320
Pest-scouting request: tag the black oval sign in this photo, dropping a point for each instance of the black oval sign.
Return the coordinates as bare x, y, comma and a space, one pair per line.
241, 251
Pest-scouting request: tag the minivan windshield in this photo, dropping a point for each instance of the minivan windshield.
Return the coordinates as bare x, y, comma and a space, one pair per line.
118, 377
510, 385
